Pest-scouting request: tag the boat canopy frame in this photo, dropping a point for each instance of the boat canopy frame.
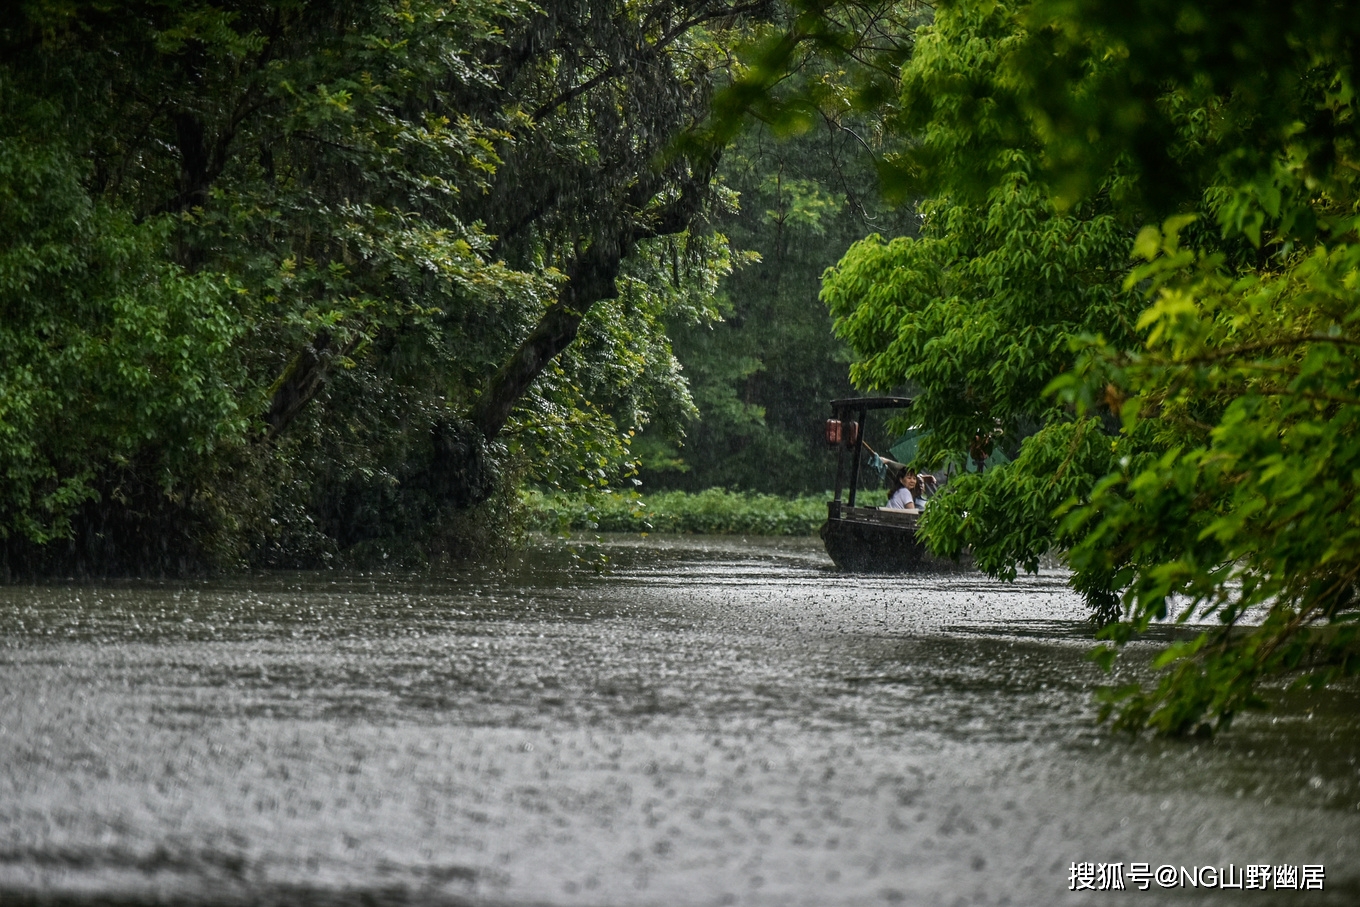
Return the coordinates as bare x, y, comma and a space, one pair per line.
857, 407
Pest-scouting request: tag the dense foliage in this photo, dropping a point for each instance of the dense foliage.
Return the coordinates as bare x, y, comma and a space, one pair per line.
1195, 452
803, 172
762, 375
281, 280
714, 511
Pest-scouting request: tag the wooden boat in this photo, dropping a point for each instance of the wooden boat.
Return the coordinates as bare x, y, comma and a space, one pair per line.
870, 539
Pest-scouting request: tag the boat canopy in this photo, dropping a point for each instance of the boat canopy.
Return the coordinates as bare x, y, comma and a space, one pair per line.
867, 403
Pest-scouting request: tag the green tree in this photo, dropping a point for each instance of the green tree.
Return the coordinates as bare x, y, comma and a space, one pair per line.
425, 242
977, 313
1243, 387
116, 365
1196, 455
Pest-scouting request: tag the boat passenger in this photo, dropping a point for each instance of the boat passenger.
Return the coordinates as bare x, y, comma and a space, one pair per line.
929, 485
906, 496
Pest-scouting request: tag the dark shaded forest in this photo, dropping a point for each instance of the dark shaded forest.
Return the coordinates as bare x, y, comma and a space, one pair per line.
761, 376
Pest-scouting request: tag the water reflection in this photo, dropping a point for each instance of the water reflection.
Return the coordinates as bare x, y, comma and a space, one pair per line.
703, 722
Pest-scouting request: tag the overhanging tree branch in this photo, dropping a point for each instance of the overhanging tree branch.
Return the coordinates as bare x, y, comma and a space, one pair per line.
591, 277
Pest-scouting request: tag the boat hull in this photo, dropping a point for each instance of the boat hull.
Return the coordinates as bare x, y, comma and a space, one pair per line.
868, 540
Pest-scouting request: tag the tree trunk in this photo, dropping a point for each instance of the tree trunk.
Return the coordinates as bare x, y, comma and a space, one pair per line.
301, 381
590, 278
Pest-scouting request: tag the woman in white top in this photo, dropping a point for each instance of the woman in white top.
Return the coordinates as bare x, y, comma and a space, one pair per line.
907, 494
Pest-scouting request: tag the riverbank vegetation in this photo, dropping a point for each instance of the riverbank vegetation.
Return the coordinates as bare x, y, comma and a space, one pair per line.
716, 511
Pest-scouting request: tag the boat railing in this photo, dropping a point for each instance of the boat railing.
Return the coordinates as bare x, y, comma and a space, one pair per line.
838, 510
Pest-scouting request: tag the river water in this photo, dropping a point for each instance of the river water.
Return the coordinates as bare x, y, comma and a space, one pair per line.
695, 722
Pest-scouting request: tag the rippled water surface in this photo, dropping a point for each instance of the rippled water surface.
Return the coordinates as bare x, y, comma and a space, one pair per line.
703, 722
